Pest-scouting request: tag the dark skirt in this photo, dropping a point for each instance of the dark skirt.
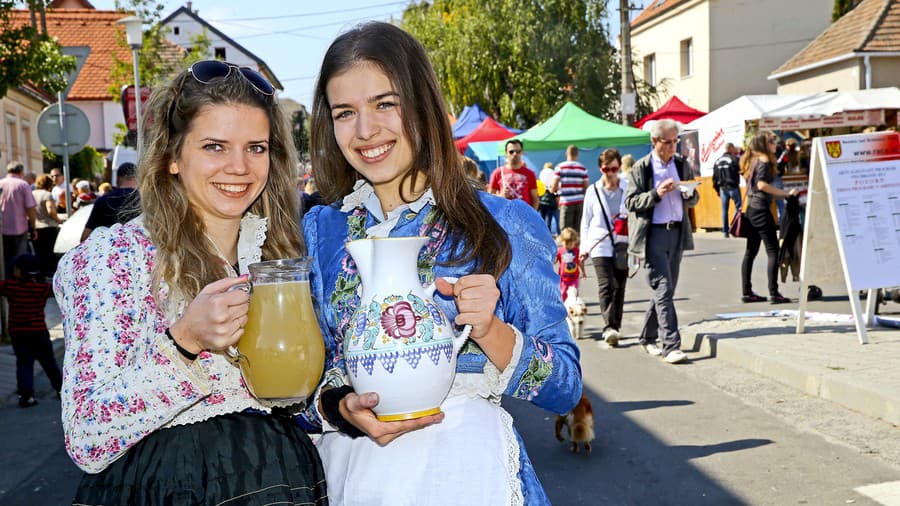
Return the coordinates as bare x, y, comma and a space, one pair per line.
235, 459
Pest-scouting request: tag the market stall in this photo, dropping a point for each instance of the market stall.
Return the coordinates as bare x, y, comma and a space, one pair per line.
488, 130
812, 115
548, 141
674, 109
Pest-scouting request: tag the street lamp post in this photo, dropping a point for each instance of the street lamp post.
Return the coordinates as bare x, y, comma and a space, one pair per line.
135, 35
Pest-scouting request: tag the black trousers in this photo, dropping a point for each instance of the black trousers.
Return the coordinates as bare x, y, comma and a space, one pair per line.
28, 347
43, 248
762, 231
663, 257
611, 291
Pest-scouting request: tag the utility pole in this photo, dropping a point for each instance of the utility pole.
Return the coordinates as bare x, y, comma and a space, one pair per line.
628, 98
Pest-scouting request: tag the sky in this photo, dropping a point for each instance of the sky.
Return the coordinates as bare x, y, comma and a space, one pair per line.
291, 36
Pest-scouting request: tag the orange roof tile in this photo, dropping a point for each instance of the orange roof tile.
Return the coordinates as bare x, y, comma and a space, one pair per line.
656, 8
87, 27
874, 25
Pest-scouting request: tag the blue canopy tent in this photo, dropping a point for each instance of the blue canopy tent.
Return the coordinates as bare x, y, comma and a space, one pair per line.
470, 118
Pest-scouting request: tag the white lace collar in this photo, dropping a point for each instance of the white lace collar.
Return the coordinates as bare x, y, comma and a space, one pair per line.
363, 194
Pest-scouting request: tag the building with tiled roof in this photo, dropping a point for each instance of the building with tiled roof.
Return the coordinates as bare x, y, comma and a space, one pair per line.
77, 23
185, 23
709, 52
861, 50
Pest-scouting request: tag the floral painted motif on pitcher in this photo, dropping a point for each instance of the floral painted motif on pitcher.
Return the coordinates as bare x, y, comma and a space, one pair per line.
400, 344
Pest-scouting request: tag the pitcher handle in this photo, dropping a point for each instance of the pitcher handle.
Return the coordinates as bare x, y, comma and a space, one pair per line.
458, 339
232, 352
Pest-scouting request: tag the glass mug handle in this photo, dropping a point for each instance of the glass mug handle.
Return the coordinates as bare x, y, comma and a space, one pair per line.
232, 352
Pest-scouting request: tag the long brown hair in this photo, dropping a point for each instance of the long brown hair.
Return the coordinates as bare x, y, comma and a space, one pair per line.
403, 59
185, 260
756, 148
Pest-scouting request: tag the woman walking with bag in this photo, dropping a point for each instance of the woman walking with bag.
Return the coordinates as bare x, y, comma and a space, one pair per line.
758, 168
604, 204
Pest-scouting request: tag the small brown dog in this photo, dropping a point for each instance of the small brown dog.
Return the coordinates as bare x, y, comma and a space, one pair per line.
579, 424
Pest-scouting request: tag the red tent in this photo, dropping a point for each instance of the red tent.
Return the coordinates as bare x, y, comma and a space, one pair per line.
488, 130
673, 109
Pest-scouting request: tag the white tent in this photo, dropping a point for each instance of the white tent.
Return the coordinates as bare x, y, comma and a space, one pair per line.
788, 112
847, 108
727, 124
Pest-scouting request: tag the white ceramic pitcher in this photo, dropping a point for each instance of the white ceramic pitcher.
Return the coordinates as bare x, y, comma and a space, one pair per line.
399, 343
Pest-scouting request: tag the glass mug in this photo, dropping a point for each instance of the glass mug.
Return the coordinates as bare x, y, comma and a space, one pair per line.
281, 353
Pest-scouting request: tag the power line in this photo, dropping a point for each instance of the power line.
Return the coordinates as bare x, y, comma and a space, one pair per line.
293, 31
338, 11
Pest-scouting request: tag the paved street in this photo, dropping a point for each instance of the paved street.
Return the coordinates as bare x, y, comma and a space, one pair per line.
705, 432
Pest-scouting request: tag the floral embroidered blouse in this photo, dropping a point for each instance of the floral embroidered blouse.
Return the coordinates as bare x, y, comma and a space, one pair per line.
545, 367
123, 377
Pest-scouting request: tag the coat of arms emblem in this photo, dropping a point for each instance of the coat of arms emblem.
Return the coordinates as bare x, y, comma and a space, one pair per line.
833, 148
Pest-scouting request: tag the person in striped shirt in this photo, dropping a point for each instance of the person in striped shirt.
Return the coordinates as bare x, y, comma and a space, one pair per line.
27, 297
570, 182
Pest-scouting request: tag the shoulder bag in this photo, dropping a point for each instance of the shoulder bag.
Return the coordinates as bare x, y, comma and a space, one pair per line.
740, 225
620, 249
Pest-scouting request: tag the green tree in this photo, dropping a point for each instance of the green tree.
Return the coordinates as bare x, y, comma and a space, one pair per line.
27, 53
842, 7
85, 164
520, 59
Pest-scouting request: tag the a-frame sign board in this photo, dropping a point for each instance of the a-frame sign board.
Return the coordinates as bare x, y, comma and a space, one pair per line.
852, 226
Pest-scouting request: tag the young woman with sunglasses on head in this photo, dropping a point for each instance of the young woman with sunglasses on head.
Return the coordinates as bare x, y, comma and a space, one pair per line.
604, 204
384, 157
758, 169
153, 410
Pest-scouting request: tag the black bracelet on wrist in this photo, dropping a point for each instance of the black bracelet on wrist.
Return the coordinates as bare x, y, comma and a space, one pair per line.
184, 353
331, 402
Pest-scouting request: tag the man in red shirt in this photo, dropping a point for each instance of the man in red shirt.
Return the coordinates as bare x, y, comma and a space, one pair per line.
514, 180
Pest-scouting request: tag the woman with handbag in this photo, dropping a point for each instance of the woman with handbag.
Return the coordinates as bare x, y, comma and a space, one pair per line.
758, 169
605, 239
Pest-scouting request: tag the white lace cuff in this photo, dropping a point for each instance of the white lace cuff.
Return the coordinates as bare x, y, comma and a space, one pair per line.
492, 382
194, 372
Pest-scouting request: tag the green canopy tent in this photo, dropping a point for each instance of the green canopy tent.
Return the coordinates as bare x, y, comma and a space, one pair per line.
573, 125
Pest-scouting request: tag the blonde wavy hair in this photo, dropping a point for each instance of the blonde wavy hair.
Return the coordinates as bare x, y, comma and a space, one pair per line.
186, 260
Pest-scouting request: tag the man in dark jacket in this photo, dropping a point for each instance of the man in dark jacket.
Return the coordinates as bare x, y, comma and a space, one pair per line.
727, 182
659, 232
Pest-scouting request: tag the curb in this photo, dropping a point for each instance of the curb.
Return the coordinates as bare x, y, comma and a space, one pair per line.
851, 394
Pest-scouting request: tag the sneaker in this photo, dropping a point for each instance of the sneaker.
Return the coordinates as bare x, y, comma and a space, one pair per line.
778, 299
675, 357
611, 337
752, 298
652, 349
27, 402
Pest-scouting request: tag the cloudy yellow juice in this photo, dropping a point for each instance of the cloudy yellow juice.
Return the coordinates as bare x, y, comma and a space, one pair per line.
282, 344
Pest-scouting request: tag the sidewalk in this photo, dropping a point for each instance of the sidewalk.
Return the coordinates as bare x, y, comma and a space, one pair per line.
827, 361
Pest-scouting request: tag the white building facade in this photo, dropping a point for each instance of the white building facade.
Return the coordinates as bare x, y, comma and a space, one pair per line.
709, 52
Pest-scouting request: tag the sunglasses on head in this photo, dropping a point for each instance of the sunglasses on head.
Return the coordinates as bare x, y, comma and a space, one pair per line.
205, 71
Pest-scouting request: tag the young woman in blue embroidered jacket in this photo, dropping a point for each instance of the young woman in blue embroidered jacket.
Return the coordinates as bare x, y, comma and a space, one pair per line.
383, 155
